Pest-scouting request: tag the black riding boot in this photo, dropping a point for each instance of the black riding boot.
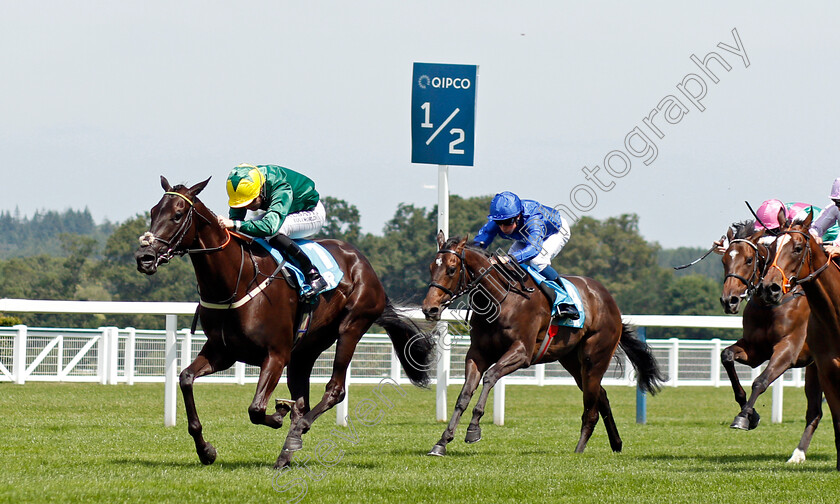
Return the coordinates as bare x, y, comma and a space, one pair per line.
292, 250
564, 310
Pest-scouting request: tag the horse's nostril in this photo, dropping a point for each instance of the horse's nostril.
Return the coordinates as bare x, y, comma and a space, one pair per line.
775, 288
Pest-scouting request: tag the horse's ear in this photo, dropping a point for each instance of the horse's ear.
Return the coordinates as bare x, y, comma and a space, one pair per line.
441, 239
782, 218
463, 242
807, 222
730, 234
198, 187
165, 184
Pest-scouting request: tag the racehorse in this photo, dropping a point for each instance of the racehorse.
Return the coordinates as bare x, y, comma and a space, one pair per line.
774, 333
229, 271
508, 337
798, 260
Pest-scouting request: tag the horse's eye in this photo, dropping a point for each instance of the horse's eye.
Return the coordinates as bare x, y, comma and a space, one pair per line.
450, 270
797, 249
749, 260
178, 215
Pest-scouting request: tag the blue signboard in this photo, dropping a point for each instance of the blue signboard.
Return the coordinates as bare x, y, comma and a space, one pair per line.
443, 114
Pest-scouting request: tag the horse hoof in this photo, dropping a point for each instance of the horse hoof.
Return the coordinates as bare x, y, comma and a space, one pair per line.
293, 444
740, 423
284, 460
207, 455
473, 436
797, 458
438, 451
754, 419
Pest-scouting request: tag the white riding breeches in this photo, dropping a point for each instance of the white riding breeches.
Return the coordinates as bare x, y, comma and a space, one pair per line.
305, 223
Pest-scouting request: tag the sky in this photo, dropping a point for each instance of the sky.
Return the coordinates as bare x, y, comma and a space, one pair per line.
100, 98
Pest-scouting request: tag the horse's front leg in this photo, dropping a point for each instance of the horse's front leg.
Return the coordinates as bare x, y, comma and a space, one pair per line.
728, 357
270, 372
781, 360
515, 358
205, 363
474, 368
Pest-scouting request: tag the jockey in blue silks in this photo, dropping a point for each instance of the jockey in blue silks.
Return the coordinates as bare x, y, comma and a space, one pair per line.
538, 233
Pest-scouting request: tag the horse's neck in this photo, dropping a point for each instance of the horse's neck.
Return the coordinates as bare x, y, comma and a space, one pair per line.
499, 279
221, 262
823, 291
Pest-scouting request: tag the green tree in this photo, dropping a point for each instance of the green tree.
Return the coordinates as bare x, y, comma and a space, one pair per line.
342, 220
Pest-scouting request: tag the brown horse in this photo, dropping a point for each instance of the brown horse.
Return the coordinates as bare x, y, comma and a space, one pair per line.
774, 333
798, 260
260, 331
508, 337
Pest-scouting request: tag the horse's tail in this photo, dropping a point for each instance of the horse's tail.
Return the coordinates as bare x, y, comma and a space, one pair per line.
415, 348
647, 369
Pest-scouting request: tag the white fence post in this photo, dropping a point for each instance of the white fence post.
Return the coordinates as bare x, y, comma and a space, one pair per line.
239, 372
170, 371
778, 400
443, 367
539, 372
102, 356
130, 342
113, 354
673, 362
395, 366
499, 402
186, 348
716, 362
342, 407
19, 355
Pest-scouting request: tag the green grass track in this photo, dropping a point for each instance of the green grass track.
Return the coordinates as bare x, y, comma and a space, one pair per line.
95, 443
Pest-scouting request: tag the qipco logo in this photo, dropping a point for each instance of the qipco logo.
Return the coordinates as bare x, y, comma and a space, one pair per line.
443, 82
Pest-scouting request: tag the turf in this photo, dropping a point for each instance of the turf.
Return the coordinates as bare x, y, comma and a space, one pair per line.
95, 443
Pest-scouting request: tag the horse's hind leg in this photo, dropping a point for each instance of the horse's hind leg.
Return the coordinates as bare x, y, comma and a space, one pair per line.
205, 363
515, 358
270, 372
474, 368
813, 413
780, 361
609, 421
350, 334
588, 374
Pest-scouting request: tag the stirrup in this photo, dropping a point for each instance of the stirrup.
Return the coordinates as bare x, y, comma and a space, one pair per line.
567, 311
316, 284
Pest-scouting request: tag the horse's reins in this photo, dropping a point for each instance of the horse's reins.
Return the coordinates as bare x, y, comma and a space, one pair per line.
466, 285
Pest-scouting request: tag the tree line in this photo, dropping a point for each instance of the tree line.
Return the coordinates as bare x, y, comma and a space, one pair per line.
97, 263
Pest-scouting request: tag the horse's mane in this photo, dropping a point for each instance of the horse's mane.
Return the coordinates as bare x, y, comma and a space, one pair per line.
743, 229
453, 241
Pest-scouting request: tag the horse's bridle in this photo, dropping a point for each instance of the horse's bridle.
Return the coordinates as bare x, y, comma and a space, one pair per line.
174, 242
794, 281
465, 285
754, 277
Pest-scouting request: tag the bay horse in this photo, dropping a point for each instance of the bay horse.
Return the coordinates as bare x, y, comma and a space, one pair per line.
508, 338
771, 333
231, 269
798, 260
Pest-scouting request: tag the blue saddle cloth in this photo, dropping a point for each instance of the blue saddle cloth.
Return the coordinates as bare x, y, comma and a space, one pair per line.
320, 257
568, 293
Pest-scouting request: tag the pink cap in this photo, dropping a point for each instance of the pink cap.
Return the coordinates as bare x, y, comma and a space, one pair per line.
835, 189
768, 213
